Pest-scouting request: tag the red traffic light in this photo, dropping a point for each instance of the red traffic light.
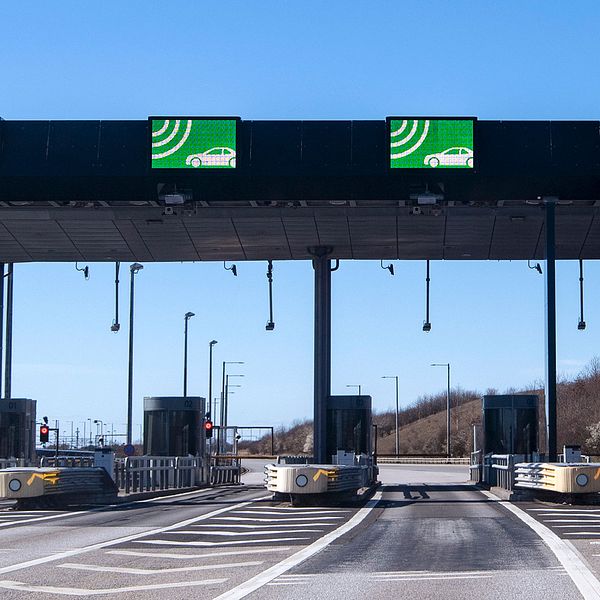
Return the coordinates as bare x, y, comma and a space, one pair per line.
208, 428
44, 433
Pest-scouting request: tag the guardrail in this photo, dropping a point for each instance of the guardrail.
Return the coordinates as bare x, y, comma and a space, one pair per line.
421, 460
151, 473
503, 470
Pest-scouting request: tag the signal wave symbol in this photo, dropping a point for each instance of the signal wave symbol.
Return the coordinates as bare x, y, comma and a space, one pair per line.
408, 137
175, 134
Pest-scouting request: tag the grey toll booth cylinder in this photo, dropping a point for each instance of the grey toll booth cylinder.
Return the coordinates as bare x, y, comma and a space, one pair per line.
348, 425
173, 426
18, 431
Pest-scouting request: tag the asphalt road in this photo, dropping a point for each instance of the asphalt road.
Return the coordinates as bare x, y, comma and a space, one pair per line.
426, 534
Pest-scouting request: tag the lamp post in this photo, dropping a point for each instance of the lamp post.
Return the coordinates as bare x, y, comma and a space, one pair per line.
226, 403
101, 423
447, 365
187, 317
222, 407
356, 386
90, 420
210, 374
397, 413
134, 268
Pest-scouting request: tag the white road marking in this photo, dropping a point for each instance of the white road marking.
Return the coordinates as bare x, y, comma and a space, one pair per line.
432, 578
563, 510
128, 538
248, 526
582, 521
63, 515
574, 516
266, 512
212, 544
284, 520
133, 571
47, 589
564, 551
243, 533
582, 532
258, 581
204, 555
298, 511
573, 526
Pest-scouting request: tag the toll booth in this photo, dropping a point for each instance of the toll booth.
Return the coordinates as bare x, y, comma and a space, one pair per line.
18, 429
510, 424
349, 421
173, 425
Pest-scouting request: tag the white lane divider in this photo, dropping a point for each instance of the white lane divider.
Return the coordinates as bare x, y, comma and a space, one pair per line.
82, 592
218, 544
564, 551
128, 538
134, 571
258, 581
203, 556
316, 509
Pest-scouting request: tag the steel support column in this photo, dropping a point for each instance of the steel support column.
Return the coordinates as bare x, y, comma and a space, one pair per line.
9, 331
1, 321
550, 322
322, 357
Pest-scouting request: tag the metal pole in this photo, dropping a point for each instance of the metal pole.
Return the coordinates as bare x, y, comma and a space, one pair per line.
9, 327
185, 353
448, 416
130, 364
220, 437
210, 376
550, 321
397, 421
581, 324
322, 350
1, 320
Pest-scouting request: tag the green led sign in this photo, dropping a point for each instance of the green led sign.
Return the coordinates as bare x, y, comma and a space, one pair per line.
431, 143
179, 143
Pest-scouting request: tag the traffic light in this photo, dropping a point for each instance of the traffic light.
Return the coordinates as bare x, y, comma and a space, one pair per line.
208, 428
44, 433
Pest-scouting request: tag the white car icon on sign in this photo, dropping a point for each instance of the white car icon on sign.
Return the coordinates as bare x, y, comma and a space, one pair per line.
215, 157
453, 157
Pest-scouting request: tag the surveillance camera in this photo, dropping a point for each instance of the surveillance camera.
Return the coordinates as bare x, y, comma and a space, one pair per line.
426, 326
270, 326
169, 210
115, 327
581, 325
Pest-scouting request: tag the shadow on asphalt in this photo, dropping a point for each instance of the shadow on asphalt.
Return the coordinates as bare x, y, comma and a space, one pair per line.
422, 493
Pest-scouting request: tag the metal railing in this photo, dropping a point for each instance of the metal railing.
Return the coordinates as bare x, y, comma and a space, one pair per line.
476, 467
502, 472
225, 471
67, 461
150, 473
8, 463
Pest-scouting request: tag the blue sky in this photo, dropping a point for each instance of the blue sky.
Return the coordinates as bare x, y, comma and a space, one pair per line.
293, 60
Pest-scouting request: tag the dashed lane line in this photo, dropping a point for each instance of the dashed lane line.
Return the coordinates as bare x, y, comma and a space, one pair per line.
128, 538
48, 589
564, 551
258, 581
134, 571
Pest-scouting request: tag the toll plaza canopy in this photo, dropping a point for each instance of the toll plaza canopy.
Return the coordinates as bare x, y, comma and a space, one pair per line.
188, 189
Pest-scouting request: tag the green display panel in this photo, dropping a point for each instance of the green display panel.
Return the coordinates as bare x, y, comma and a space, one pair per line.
431, 143
178, 143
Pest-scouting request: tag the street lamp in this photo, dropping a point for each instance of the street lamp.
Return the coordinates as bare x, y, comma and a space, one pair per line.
226, 404
222, 407
397, 420
101, 423
447, 365
210, 374
187, 317
134, 268
356, 386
